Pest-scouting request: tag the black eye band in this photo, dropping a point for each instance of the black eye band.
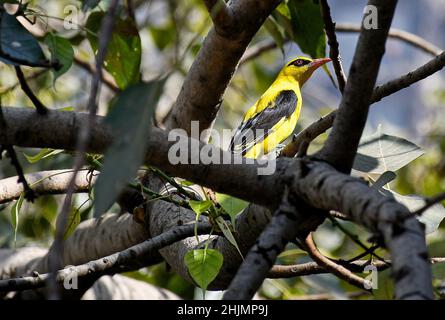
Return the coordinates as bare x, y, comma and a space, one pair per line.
300, 62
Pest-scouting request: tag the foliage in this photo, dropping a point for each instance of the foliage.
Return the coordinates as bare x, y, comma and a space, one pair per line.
164, 40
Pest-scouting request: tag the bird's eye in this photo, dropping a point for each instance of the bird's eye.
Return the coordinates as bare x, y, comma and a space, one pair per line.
299, 62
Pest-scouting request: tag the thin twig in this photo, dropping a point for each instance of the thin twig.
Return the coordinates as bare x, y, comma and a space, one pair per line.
331, 266
334, 52
41, 109
30, 195
84, 135
355, 239
126, 260
429, 202
405, 36
107, 80
402, 35
32, 76
309, 268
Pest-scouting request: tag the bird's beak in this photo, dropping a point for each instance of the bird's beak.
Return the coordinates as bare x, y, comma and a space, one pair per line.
316, 63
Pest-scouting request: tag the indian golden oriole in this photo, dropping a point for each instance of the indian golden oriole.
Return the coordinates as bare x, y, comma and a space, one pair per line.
272, 119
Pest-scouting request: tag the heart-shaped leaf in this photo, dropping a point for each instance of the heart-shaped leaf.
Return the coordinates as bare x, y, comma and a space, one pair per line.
233, 206
203, 265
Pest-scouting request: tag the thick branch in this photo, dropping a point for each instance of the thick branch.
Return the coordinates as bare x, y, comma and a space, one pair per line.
342, 143
202, 91
319, 184
128, 259
221, 15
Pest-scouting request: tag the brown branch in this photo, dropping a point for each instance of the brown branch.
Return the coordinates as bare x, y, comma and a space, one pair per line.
56, 250
341, 146
215, 65
30, 194
334, 268
130, 259
309, 268
429, 202
32, 76
106, 78
380, 92
402, 35
320, 186
405, 36
41, 109
334, 52
221, 15
45, 182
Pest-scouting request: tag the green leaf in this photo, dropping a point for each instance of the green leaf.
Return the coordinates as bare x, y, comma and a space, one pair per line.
203, 265
124, 51
431, 217
380, 152
385, 286
15, 210
304, 25
200, 206
62, 52
163, 36
43, 154
73, 221
222, 224
233, 206
17, 45
130, 120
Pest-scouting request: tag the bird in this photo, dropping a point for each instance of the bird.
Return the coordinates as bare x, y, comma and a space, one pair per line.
273, 118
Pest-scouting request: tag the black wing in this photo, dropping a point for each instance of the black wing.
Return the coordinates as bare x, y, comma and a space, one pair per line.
257, 128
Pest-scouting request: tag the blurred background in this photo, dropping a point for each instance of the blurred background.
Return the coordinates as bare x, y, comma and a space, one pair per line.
171, 33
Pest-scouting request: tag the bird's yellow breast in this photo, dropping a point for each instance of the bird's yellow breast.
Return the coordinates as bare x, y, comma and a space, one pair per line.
284, 128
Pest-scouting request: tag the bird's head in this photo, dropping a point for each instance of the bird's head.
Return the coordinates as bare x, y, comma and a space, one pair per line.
301, 68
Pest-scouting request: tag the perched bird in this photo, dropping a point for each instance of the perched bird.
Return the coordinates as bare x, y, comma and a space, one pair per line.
272, 119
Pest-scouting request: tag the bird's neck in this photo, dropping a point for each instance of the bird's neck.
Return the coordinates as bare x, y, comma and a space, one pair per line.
286, 82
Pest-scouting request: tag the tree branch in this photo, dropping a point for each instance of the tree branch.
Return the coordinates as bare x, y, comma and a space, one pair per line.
105, 33
405, 36
221, 16
212, 70
29, 193
341, 145
334, 52
380, 92
309, 268
129, 259
288, 222
336, 269
45, 182
41, 109
402, 35
319, 184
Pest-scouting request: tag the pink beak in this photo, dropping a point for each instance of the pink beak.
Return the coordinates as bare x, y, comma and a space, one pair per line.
316, 63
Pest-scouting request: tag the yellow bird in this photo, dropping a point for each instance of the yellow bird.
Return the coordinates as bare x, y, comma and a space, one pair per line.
272, 119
